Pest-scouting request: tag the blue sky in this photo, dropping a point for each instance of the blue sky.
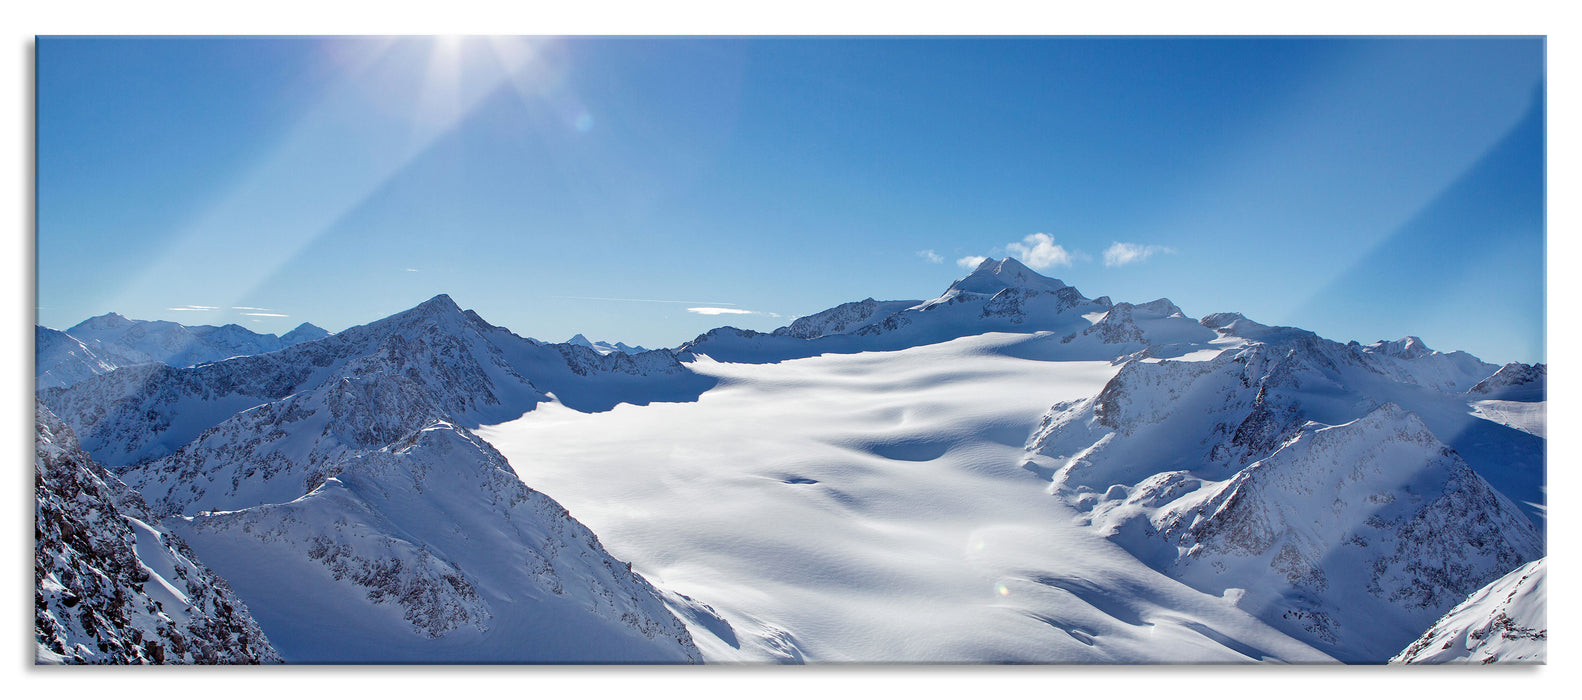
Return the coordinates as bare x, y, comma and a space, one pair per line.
1362, 188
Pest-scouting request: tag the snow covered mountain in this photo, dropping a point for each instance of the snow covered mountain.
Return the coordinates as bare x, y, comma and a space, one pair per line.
61, 360
1506, 621
113, 584
604, 348
123, 341
475, 372
345, 486
430, 549
106, 342
1008, 471
1000, 295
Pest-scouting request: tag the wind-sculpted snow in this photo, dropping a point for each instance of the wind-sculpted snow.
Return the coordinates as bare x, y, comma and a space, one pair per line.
113, 585
873, 507
1506, 621
431, 549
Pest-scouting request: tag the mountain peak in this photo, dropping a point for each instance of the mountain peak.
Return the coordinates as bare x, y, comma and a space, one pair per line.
580, 339
102, 321
993, 276
440, 302
1409, 348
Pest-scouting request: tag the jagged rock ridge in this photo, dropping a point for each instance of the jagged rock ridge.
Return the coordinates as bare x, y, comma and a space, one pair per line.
114, 586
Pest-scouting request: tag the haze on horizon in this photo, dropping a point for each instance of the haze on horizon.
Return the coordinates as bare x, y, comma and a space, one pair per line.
645, 190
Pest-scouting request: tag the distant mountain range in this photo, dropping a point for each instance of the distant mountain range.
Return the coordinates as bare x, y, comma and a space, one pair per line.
103, 343
1331, 499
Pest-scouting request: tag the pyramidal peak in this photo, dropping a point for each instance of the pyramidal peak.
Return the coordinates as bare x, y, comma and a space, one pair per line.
992, 276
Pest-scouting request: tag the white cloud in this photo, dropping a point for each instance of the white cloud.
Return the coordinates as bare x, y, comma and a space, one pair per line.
931, 256
193, 307
260, 313
249, 308
412, 269
1127, 253
1039, 251
718, 310
971, 262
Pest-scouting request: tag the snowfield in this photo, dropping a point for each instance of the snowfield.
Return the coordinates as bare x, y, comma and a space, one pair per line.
873, 507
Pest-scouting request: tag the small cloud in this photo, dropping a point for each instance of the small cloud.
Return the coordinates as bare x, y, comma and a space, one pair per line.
412, 269
260, 313
1039, 251
248, 308
971, 262
193, 307
1127, 253
931, 256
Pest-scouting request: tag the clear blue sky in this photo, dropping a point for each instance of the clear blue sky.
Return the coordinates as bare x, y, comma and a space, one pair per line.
1362, 188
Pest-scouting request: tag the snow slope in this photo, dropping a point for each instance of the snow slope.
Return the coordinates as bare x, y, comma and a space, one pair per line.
357, 501
61, 360
113, 585
873, 507
431, 550
1506, 621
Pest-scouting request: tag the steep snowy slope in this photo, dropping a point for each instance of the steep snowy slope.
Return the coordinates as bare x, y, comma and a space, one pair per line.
113, 585
1171, 453
357, 502
873, 507
431, 550
1506, 621
61, 360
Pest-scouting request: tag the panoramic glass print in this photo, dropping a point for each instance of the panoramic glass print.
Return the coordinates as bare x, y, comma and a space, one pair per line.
790, 350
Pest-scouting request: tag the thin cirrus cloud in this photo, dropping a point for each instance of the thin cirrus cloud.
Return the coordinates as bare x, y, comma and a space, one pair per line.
193, 307
931, 256
1127, 253
268, 315
721, 311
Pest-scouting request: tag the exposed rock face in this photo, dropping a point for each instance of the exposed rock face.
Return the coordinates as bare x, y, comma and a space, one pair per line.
113, 585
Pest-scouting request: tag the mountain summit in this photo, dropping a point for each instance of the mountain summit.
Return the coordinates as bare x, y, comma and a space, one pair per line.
991, 276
